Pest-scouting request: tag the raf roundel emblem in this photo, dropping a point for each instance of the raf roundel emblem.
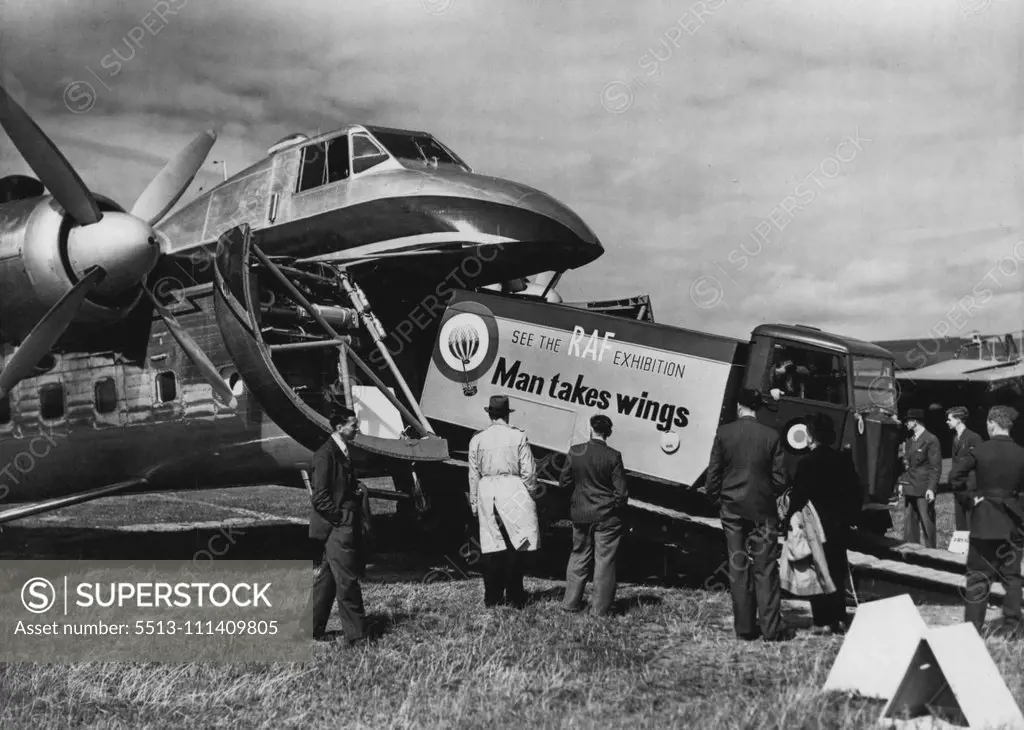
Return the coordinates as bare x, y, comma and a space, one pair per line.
797, 437
670, 442
466, 344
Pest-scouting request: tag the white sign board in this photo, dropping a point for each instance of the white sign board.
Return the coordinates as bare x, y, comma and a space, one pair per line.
663, 387
959, 542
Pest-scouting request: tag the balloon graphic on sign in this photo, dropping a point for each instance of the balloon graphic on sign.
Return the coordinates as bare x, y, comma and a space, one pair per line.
464, 342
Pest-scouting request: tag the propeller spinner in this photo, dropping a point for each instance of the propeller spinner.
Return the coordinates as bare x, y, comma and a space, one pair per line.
109, 252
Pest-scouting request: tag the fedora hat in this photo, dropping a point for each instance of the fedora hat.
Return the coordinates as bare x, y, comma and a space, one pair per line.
498, 405
750, 398
915, 414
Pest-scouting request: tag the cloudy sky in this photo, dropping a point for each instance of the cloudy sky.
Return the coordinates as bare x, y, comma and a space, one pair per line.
854, 165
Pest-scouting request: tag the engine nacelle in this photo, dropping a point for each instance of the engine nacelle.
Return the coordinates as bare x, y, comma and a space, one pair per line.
36, 269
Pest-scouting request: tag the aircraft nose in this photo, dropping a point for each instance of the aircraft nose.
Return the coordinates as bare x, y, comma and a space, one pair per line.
533, 218
544, 204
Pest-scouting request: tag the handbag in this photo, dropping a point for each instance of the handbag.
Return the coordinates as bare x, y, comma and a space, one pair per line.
797, 547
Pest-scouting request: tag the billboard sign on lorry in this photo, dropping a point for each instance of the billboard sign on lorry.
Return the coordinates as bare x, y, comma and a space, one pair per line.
663, 387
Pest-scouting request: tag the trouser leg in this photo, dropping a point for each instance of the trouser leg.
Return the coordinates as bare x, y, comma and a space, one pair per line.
580, 562
741, 580
1009, 556
607, 535
346, 565
911, 520
927, 511
830, 609
981, 569
494, 578
323, 592
764, 549
514, 591
512, 572
961, 512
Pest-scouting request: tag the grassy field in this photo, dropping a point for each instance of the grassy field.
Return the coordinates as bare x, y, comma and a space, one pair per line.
668, 658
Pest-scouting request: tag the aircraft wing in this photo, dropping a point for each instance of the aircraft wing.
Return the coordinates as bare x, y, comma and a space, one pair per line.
966, 371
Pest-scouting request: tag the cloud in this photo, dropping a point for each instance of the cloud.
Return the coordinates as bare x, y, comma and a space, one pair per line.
723, 126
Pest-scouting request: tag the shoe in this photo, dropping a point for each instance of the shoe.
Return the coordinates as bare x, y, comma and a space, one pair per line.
750, 636
570, 609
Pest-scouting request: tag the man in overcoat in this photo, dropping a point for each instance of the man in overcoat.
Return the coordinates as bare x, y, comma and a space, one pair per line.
746, 474
502, 487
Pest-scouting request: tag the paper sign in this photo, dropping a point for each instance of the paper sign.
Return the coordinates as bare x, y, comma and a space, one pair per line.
959, 542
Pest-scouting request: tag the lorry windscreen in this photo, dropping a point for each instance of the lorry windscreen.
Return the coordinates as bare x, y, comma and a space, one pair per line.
873, 384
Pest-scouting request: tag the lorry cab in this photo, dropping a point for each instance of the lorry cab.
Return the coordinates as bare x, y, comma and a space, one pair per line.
802, 370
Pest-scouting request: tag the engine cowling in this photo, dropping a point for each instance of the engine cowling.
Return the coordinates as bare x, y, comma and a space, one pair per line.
43, 254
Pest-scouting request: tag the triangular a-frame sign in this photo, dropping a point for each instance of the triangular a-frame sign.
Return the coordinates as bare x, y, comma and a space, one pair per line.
877, 648
952, 678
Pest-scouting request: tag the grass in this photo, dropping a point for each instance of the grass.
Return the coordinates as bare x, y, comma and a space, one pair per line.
669, 659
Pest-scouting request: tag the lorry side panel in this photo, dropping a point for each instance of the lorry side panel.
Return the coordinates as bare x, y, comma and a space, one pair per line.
663, 387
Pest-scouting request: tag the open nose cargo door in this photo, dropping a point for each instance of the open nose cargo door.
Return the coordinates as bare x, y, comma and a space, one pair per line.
237, 298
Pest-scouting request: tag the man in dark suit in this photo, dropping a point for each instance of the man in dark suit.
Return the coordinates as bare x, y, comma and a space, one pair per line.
746, 475
595, 476
828, 479
922, 461
964, 441
997, 521
335, 527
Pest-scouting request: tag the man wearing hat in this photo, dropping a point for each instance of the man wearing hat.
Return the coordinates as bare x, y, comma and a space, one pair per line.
922, 461
746, 475
997, 521
335, 526
502, 485
964, 440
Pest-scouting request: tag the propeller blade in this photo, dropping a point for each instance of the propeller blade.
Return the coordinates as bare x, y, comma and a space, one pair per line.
194, 352
173, 180
47, 331
46, 161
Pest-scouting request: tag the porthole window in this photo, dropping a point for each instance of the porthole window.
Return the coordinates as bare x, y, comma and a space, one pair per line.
51, 401
166, 387
105, 396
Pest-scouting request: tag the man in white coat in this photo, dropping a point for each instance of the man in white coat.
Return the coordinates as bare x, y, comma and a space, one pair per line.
502, 486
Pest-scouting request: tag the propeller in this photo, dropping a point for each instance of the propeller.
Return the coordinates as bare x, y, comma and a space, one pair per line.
46, 161
173, 180
109, 253
47, 331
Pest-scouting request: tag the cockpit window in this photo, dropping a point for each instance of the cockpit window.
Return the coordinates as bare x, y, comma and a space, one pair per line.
365, 153
417, 148
324, 163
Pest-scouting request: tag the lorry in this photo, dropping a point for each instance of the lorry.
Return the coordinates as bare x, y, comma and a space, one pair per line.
666, 389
